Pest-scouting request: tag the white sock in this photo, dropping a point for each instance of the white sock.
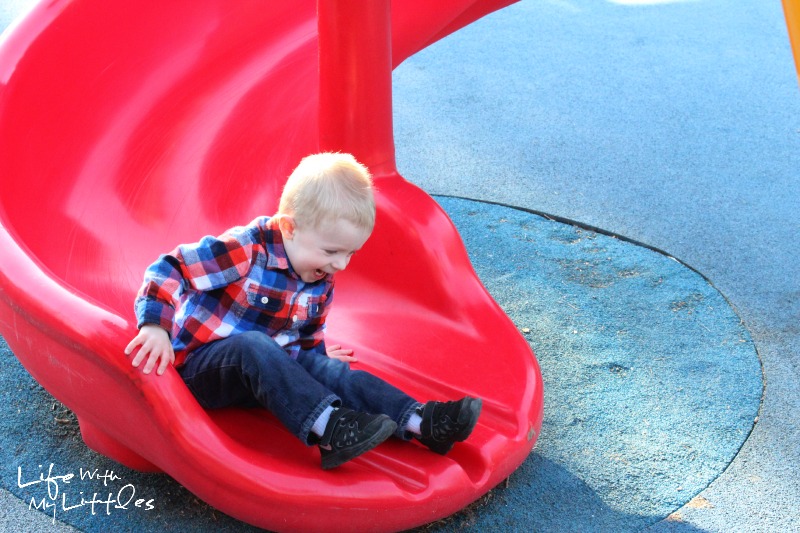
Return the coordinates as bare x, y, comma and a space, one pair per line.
413, 424
322, 422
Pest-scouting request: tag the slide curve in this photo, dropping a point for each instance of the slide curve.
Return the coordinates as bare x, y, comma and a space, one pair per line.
129, 127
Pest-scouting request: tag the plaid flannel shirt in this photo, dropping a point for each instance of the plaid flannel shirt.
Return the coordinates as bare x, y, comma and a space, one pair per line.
240, 281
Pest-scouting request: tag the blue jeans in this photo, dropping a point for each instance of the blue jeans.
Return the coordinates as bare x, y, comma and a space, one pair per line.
251, 369
360, 390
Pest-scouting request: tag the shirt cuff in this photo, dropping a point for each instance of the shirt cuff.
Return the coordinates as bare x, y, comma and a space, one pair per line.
150, 311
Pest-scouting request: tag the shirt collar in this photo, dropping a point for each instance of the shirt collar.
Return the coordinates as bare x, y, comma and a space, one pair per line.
276, 253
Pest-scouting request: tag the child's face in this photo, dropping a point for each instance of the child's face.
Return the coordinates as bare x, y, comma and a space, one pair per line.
316, 252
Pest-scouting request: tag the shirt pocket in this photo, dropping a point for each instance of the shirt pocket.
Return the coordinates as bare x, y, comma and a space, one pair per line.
266, 300
309, 307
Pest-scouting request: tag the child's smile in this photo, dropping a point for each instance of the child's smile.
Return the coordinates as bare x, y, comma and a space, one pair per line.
315, 253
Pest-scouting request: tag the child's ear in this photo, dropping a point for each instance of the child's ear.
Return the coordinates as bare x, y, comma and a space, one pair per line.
287, 226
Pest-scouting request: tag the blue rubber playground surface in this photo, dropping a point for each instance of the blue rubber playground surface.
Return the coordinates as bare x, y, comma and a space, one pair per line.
624, 175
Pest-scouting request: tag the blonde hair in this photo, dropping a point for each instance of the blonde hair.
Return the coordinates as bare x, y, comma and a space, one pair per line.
329, 186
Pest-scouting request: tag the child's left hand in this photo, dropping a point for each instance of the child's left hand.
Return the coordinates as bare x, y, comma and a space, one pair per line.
342, 354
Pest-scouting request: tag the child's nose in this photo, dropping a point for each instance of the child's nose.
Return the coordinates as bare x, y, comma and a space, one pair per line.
340, 263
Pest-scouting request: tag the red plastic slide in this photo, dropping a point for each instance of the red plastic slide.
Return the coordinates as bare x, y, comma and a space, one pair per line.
129, 127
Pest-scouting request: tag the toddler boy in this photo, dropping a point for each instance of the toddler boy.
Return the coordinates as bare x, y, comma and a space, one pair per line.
245, 314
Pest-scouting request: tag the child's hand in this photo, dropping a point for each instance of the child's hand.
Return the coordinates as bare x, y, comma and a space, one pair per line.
342, 354
155, 346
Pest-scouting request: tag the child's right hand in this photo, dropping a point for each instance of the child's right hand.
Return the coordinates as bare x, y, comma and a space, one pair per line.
155, 345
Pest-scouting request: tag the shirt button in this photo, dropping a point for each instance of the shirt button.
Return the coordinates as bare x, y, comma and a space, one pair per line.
264, 300
294, 318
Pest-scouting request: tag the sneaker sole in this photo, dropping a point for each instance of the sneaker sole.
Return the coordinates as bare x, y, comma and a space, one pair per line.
388, 427
473, 411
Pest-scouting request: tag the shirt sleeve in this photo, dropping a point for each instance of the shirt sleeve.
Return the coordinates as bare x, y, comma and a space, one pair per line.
211, 263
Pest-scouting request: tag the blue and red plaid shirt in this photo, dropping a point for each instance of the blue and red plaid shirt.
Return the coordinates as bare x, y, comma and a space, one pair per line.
237, 282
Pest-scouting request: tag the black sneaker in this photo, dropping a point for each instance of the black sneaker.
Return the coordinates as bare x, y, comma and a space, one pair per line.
445, 423
349, 434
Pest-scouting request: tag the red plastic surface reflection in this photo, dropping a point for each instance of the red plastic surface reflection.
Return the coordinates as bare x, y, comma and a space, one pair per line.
126, 128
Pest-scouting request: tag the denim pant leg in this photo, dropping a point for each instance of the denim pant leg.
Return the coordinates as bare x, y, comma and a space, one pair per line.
252, 369
360, 390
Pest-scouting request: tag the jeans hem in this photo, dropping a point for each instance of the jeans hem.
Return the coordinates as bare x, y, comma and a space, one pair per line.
401, 432
305, 430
